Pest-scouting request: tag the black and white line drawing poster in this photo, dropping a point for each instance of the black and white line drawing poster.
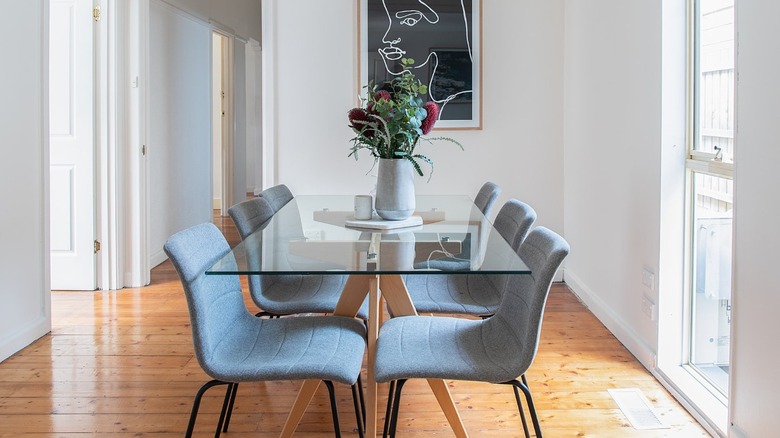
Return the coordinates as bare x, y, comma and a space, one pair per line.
443, 39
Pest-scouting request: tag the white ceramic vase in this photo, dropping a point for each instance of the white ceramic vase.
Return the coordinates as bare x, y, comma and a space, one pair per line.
394, 189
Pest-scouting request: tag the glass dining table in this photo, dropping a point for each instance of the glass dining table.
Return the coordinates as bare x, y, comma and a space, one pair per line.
316, 235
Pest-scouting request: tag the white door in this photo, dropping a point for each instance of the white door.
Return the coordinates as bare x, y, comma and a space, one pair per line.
71, 124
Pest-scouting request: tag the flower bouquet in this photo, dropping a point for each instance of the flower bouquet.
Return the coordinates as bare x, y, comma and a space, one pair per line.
392, 120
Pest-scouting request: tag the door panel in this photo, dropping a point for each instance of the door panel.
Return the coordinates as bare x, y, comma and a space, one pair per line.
72, 148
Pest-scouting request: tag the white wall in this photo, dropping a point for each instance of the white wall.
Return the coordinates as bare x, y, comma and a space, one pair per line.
241, 16
254, 143
180, 125
755, 324
612, 160
25, 313
520, 146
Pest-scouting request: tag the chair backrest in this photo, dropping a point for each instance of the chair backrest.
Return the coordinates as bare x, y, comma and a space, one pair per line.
215, 302
250, 215
512, 334
486, 197
277, 196
514, 221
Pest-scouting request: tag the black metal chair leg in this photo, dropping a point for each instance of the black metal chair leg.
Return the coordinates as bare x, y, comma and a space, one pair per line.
362, 400
524, 387
230, 407
196, 404
522, 413
389, 409
223, 412
334, 410
356, 402
396, 405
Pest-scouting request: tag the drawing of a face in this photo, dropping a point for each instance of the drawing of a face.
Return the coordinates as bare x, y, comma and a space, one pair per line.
413, 29
399, 40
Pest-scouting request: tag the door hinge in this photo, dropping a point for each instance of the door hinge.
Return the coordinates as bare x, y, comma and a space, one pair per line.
96, 13
97, 246
143, 149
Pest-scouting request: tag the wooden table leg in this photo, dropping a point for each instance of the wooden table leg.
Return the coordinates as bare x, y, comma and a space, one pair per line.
373, 333
443, 396
353, 295
396, 295
305, 394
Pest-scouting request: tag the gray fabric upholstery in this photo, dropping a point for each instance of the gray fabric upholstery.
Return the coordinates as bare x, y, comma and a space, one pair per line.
286, 294
486, 197
514, 221
234, 346
472, 294
277, 196
250, 215
497, 349
484, 201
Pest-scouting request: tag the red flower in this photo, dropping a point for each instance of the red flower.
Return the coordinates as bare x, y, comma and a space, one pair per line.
358, 118
382, 95
430, 119
357, 115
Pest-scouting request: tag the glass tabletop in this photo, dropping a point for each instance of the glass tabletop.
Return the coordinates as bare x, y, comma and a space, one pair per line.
311, 235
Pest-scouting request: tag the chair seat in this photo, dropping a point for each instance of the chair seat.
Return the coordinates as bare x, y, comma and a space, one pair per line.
473, 294
445, 264
295, 348
290, 294
434, 347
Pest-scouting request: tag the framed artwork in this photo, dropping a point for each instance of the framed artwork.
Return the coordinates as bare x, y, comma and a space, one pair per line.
444, 39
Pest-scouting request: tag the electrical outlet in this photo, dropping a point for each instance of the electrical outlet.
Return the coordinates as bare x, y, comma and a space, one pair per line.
313, 234
648, 279
648, 308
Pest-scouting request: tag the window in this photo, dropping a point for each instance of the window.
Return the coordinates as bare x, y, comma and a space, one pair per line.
710, 191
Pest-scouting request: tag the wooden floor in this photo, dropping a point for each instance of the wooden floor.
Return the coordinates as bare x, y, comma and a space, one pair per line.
121, 364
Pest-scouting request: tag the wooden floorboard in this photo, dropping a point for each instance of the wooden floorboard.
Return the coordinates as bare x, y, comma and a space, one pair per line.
121, 364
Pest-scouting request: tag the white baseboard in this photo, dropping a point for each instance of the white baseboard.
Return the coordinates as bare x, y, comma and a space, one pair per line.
24, 337
216, 203
157, 258
613, 321
736, 432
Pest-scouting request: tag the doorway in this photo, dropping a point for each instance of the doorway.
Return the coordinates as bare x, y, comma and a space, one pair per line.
222, 122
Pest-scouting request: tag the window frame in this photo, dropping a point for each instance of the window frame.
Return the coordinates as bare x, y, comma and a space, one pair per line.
697, 162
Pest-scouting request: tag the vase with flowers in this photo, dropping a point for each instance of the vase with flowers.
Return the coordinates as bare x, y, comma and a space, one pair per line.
389, 124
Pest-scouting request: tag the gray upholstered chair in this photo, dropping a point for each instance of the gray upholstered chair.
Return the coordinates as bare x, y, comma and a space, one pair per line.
472, 294
484, 202
499, 349
286, 294
250, 215
233, 346
486, 197
277, 196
